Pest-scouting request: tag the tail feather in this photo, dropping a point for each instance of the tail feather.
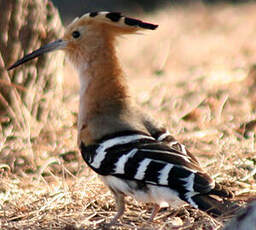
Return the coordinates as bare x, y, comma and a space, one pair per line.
221, 191
209, 204
215, 207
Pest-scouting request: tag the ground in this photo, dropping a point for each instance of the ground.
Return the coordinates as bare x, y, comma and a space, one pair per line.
196, 73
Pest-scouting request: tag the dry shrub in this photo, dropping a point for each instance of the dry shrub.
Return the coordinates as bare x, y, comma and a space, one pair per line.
28, 94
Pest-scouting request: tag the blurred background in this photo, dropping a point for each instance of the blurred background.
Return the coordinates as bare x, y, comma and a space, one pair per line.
70, 9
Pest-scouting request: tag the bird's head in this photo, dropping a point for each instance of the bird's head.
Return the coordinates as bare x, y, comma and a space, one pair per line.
87, 33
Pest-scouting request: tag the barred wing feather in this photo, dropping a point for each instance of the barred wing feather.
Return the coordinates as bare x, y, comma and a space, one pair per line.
137, 156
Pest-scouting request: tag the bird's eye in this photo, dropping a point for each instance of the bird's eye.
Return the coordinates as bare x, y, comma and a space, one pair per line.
76, 34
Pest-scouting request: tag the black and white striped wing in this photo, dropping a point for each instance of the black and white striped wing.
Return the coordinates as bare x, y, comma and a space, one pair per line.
138, 156
163, 135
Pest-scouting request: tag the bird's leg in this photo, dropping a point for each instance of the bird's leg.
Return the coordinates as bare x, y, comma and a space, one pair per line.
120, 204
154, 212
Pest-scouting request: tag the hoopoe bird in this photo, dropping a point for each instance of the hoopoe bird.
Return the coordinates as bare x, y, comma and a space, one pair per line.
131, 153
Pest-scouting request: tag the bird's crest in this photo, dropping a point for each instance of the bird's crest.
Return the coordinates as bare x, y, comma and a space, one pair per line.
115, 22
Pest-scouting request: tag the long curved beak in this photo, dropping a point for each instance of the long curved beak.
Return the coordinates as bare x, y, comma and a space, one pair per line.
56, 45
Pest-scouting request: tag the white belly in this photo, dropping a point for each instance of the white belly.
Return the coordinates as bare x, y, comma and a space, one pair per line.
162, 196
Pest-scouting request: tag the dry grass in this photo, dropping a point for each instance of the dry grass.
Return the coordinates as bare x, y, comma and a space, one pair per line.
197, 75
